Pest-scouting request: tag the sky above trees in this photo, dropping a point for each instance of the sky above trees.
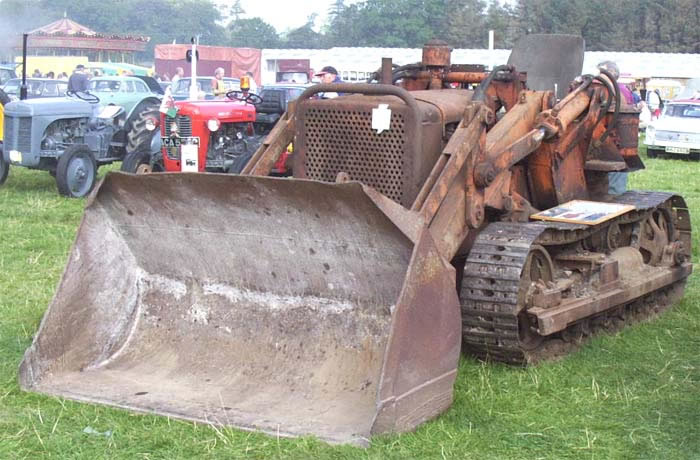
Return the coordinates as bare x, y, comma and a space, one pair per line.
621, 25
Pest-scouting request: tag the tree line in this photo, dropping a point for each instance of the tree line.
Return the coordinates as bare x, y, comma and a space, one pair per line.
620, 25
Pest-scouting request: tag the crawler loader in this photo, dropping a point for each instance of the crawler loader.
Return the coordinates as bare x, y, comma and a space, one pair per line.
335, 303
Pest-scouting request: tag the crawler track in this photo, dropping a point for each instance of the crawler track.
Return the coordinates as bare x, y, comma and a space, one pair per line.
497, 278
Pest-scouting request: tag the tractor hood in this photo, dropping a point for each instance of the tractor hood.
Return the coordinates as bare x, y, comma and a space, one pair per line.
223, 110
54, 106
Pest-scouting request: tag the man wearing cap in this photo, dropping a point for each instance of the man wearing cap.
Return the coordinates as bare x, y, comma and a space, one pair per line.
78, 81
617, 181
329, 75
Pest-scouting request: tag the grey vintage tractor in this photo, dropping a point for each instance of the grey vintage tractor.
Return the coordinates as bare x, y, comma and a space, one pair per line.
71, 137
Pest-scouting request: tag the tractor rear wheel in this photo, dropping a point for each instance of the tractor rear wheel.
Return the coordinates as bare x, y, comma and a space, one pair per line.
76, 171
4, 167
139, 138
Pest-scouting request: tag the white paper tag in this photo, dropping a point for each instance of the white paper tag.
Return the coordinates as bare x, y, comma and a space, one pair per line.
15, 156
381, 118
189, 157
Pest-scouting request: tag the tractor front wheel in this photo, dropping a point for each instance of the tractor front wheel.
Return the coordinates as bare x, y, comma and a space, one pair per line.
76, 171
140, 163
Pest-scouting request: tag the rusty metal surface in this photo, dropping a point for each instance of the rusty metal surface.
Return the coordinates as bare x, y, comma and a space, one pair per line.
451, 103
557, 319
261, 303
516, 123
626, 138
436, 53
386, 71
448, 200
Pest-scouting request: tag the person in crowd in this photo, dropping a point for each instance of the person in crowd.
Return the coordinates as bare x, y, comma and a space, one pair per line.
63, 76
253, 84
51, 75
179, 73
218, 88
617, 181
37, 73
78, 81
329, 75
637, 97
659, 104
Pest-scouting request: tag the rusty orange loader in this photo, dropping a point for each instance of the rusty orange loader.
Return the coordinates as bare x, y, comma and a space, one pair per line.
445, 209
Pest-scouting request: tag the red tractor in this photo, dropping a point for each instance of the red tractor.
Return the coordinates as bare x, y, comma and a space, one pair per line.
205, 135
215, 136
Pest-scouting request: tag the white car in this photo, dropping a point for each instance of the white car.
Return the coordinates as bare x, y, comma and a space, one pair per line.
676, 131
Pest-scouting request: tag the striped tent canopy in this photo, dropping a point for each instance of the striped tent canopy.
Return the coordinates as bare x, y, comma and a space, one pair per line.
64, 26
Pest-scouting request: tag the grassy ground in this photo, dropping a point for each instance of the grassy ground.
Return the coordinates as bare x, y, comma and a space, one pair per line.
632, 395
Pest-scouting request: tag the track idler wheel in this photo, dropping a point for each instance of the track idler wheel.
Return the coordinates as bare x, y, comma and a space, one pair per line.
538, 272
654, 235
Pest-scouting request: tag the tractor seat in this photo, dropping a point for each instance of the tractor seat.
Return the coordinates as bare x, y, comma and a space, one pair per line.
274, 101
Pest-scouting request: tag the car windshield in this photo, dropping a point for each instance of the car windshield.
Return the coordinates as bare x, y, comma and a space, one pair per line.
682, 110
37, 88
104, 86
293, 77
12, 87
292, 92
53, 88
182, 87
6, 74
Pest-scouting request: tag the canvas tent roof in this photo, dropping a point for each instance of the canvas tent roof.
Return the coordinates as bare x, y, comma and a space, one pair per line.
64, 26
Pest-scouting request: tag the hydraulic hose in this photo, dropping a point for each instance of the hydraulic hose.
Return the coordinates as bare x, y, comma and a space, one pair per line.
480, 91
611, 86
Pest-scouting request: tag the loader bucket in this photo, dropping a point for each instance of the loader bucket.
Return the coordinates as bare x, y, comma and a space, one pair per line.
292, 307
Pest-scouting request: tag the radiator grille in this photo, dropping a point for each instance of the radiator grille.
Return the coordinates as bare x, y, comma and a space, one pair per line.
184, 123
22, 126
345, 141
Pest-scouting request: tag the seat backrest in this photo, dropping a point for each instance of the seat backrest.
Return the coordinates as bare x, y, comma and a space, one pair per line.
274, 101
549, 59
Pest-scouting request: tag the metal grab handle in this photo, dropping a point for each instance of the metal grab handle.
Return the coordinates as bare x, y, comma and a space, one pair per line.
361, 88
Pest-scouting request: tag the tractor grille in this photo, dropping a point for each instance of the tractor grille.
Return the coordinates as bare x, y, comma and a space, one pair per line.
343, 140
18, 133
184, 122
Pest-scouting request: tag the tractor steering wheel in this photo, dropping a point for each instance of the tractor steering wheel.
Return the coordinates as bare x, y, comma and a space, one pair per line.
249, 98
84, 96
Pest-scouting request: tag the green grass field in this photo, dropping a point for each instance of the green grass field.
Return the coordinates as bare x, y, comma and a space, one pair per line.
631, 395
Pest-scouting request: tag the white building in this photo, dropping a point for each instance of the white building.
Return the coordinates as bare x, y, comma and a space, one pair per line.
355, 63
